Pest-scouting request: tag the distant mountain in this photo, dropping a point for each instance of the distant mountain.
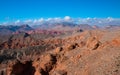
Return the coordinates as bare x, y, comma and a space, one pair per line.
11, 29
112, 26
49, 28
85, 27
48, 25
62, 26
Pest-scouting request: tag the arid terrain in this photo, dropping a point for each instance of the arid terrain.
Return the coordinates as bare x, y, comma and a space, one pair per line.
62, 50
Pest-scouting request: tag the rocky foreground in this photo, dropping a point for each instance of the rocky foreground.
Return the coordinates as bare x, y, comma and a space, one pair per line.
89, 52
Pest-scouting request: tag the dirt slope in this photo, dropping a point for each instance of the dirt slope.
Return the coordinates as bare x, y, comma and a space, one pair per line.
93, 52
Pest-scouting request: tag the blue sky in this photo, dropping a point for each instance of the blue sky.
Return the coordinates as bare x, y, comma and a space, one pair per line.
25, 9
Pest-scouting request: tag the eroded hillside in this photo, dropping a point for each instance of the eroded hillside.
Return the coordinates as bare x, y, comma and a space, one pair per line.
89, 52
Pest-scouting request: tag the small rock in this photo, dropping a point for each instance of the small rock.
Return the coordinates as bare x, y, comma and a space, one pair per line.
58, 49
72, 46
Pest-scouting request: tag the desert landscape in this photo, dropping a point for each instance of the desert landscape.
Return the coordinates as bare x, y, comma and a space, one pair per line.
59, 37
78, 50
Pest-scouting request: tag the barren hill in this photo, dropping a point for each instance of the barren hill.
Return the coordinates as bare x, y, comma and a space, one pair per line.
88, 52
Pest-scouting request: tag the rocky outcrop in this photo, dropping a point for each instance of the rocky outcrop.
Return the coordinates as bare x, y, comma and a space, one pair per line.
93, 43
83, 53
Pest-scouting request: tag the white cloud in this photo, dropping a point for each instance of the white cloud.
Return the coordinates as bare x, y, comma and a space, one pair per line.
67, 18
17, 22
35, 21
110, 19
88, 18
99, 21
49, 19
40, 20
90, 21
28, 21
57, 18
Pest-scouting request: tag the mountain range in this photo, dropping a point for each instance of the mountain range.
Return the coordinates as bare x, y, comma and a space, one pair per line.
63, 26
